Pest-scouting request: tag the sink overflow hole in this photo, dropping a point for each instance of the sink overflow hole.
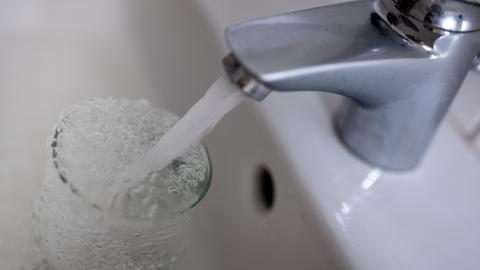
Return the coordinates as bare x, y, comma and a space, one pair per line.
265, 188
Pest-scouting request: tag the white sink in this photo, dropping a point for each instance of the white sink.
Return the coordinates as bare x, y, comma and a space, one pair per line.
329, 210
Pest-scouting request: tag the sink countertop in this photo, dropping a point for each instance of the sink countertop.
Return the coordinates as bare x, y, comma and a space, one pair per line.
423, 219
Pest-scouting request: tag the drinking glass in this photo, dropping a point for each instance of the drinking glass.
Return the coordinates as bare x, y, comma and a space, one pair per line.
73, 232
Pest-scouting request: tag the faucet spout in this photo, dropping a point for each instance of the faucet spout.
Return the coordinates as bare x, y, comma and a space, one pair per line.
399, 85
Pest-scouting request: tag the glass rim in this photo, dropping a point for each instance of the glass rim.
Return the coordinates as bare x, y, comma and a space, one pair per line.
74, 190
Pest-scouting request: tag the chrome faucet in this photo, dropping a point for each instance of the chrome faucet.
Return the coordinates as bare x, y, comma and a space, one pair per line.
401, 63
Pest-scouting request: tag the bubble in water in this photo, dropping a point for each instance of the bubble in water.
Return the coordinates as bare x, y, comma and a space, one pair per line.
97, 139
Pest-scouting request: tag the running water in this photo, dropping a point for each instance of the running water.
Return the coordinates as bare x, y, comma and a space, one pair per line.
220, 98
203, 116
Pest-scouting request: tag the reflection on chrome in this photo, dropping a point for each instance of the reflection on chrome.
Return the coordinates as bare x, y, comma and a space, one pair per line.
450, 23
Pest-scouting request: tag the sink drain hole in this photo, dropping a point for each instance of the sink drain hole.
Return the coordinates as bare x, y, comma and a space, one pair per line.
265, 188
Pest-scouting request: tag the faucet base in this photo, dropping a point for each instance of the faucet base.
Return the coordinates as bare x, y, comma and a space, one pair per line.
363, 131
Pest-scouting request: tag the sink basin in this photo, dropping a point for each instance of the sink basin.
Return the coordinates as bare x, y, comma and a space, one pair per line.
285, 192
